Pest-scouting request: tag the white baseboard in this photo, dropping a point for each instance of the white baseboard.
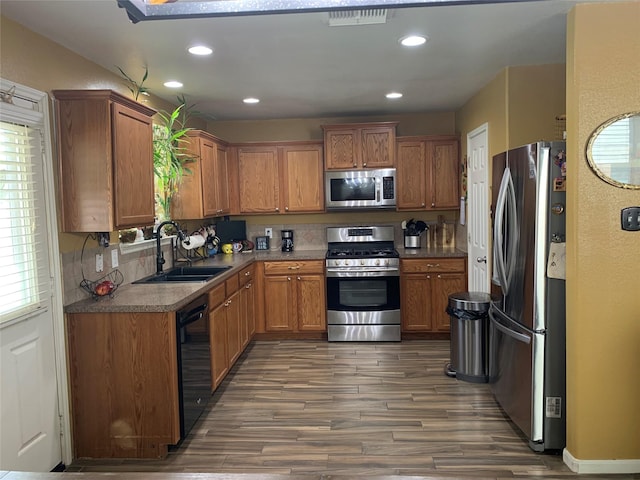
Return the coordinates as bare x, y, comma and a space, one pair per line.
600, 466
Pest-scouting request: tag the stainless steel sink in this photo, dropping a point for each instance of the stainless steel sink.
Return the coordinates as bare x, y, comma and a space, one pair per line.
184, 274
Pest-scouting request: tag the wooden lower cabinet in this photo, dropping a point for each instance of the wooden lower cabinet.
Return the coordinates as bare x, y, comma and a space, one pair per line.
425, 286
123, 377
231, 323
295, 296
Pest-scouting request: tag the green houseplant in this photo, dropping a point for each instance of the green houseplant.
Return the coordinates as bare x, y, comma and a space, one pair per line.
169, 158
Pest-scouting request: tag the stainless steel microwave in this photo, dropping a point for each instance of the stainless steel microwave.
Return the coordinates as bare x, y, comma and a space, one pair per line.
360, 189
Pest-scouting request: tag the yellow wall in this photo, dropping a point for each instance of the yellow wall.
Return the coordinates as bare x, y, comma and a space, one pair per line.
603, 269
536, 96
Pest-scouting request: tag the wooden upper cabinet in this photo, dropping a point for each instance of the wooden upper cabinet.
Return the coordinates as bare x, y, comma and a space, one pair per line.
362, 145
105, 150
258, 179
302, 178
281, 178
203, 191
427, 173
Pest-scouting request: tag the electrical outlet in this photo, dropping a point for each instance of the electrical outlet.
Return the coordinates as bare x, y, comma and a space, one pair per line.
114, 258
268, 232
99, 262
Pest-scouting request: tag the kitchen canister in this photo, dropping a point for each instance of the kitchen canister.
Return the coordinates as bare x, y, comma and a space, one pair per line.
412, 241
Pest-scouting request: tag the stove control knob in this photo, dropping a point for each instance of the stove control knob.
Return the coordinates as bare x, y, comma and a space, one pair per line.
347, 262
362, 262
377, 261
386, 262
338, 263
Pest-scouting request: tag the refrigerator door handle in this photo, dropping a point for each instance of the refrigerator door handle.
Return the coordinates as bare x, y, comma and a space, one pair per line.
507, 331
505, 214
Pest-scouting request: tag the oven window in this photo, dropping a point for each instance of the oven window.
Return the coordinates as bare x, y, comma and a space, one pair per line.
363, 294
357, 188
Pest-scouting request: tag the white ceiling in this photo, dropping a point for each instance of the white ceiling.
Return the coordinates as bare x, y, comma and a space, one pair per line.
299, 66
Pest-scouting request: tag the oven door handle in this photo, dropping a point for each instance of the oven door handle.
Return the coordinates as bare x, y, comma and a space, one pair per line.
363, 272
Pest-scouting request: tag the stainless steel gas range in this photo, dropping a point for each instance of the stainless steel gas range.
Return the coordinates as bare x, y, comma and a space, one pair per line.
363, 284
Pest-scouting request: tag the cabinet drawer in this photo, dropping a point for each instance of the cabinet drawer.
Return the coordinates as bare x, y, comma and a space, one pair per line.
216, 296
288, 267
246, 275
428, 265
232, 285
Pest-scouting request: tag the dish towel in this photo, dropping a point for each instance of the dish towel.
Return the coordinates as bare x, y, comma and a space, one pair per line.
556, 264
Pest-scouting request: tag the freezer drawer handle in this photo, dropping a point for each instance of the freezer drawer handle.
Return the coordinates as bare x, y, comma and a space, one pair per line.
518, 336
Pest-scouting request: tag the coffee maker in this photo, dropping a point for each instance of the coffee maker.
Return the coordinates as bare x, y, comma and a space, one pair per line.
287, 240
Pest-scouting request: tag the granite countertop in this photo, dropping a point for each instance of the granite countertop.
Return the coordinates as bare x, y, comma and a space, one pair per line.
169, 297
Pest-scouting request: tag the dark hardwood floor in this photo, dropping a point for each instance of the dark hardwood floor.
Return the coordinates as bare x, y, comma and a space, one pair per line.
307, 409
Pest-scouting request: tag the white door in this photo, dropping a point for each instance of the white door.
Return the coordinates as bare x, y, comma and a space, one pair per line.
30, 297
478, 225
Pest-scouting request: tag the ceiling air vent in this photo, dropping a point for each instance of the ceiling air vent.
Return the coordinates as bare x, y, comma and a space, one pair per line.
357, 17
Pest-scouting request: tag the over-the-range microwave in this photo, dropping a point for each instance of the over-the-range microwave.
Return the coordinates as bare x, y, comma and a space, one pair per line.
360, 189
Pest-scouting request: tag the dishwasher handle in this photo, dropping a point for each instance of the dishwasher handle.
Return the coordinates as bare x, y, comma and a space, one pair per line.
193, 315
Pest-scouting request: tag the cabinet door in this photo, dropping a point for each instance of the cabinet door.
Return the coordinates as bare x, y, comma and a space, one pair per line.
218, 342
378, 147
342, 149
133, 167
280, 303
222, 181
248, 312
234, 329
208, 153
311, 296
187, 202
416, 307
259, 180
303, 178
411, 174
444, 285
445, 174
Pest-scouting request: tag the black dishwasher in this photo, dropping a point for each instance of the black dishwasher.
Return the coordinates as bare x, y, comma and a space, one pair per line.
194, 364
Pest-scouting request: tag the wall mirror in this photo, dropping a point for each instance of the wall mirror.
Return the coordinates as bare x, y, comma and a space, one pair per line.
613, 151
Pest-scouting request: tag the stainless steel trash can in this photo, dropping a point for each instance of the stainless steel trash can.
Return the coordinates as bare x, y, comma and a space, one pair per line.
469, 312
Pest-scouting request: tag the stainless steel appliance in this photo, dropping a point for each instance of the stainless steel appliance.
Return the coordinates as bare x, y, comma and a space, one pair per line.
365, 189
363, 284
287, 240
194, 364
527, 332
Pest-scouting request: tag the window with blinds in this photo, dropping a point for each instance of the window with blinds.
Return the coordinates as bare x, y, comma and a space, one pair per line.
23, 266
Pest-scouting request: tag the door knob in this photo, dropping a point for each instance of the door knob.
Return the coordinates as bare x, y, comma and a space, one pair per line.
481, 259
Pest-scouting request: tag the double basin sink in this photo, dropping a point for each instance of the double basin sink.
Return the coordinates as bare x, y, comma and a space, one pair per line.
184, 274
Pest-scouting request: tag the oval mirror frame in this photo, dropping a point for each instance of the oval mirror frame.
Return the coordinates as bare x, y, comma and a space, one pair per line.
625, 171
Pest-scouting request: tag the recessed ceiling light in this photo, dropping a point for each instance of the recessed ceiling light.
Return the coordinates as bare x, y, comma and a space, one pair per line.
413, 40
200, 50
251, 100
393, 95
173, 84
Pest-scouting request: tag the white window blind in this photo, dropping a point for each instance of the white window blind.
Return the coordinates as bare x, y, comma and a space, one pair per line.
24, 279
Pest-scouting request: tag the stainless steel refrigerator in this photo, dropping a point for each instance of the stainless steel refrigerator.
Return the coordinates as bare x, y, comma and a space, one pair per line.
527, 326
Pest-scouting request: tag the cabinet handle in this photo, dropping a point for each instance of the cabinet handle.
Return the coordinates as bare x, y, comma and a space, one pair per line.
424, 204
288, 279
297, 267
433, 205
439, 276
246, 274
247, 286
354, 165
364, 164
286, 209
277, 209
299, 278
431, 265
428, 276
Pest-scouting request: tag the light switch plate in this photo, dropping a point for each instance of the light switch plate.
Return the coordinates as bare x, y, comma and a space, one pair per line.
268, 232
630, 219
99, 262
114, 258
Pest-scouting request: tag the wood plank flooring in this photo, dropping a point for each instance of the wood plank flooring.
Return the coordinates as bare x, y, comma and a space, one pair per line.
312, 409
